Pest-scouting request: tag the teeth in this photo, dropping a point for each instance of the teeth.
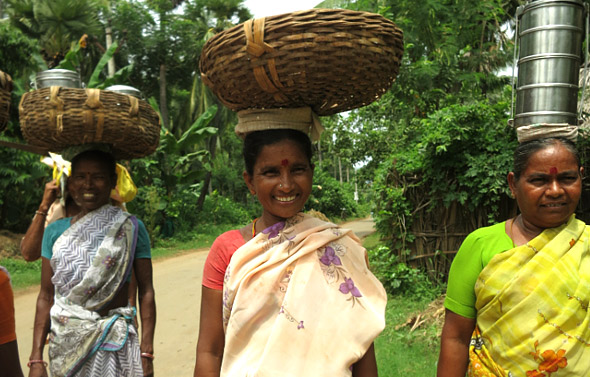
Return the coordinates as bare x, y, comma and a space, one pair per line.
88, 196
554, 205
285, 198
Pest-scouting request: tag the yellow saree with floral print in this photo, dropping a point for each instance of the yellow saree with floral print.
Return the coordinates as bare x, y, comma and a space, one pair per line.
532, 308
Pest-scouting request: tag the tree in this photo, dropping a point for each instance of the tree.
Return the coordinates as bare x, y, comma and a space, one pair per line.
55, 23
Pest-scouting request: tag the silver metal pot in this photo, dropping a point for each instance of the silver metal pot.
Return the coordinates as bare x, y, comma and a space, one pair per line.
125, 89
550, 34
57, 77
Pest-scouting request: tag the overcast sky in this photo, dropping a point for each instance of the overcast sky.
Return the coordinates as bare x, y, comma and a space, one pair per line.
264, 8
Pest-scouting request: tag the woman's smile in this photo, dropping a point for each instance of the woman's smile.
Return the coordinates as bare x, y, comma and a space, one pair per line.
281, 179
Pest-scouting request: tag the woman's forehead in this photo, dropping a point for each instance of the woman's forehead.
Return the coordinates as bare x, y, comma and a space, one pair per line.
554, 158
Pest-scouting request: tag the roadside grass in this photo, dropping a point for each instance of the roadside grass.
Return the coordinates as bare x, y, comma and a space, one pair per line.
399, 350
23, 274
403, 352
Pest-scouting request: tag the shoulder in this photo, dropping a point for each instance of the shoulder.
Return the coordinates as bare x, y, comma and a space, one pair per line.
488, 231
229, 240
59, 226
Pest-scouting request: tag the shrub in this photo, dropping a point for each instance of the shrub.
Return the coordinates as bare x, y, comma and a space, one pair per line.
333, 199
399, 278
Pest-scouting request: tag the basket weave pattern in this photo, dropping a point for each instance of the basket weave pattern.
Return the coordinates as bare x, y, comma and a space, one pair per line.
56, 118
5, 89
332, 60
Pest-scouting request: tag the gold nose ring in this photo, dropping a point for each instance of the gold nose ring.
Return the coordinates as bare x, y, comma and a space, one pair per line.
280, 185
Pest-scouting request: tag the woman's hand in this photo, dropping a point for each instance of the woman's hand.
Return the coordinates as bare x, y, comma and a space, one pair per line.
211, 335
148, 367
38, 370
454, 345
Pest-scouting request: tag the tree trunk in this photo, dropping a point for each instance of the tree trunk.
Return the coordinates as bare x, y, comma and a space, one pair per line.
109, 41
347, 174
320, 154
163, 100
340, 168
207, 182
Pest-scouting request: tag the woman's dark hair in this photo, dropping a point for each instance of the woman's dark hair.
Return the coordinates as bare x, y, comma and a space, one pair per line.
105, 158
255, 141
524, 151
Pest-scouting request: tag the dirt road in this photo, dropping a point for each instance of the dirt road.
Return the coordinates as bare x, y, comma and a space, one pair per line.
177, 282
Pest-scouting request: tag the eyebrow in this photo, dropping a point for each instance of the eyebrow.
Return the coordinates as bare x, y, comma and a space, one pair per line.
561, 174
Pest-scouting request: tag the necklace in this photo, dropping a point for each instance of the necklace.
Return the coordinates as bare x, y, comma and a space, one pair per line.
254, 227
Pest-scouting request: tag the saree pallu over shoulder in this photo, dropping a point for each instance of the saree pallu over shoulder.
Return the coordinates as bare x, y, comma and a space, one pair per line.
299, 300
101, 245
532, 307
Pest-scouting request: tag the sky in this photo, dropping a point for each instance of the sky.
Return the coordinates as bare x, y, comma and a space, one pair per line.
264, 8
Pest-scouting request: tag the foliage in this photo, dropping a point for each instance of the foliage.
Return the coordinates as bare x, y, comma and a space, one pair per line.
221, 210
333, 199
398, 278
22, 177
23, 274
55, 23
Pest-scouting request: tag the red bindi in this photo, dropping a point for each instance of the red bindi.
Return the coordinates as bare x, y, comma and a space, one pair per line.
553, 170
285, 162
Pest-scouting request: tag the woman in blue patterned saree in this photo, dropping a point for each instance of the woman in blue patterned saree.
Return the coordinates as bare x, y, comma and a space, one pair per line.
86, 267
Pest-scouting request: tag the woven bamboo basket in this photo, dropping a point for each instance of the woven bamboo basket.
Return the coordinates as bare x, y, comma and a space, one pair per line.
5, 89
332, 60
57, 118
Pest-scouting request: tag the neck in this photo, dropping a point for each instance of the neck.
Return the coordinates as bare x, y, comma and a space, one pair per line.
266, 220
525, 230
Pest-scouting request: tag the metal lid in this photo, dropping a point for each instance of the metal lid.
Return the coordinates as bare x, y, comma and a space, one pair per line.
57, 77
125, 89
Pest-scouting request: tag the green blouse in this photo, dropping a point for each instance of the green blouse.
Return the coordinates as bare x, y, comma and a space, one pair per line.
475, 252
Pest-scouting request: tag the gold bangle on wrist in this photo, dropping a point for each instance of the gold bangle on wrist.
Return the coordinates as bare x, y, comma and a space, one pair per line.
41, 213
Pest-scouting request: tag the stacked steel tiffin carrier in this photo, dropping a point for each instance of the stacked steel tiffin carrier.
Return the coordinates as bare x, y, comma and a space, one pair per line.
60, 114
5, 89
549, 36
329, 60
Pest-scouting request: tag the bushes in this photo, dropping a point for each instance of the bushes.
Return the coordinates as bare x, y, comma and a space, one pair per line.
333, 199
398, 278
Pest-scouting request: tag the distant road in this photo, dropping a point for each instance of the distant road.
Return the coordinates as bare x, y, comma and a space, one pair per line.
177, 282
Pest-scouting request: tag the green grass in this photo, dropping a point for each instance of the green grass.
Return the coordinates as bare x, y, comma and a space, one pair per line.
401, 352
22, 273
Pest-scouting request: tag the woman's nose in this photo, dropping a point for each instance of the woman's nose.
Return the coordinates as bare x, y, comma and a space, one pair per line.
286, 181
555, 188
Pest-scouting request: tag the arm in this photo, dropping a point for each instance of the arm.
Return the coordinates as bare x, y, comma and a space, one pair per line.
454, 347
367, 366
30, 245
211, 335
42, 321
147, 310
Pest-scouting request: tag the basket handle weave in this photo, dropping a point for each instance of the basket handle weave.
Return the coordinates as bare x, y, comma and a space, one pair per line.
256, 47
93, 103
56, 113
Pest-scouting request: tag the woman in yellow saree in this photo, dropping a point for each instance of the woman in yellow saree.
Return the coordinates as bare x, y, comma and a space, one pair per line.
517, 299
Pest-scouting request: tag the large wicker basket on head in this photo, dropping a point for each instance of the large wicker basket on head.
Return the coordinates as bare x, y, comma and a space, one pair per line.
331, 60
5, 89
57, 118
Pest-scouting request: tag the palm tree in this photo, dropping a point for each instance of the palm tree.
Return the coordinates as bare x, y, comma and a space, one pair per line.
55, 23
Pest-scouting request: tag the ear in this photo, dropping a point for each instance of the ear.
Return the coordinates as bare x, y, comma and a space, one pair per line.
248, 180
312, 168
512, 184
581, 172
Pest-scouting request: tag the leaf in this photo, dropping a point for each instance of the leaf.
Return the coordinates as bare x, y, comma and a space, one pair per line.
94, 78
199, 130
